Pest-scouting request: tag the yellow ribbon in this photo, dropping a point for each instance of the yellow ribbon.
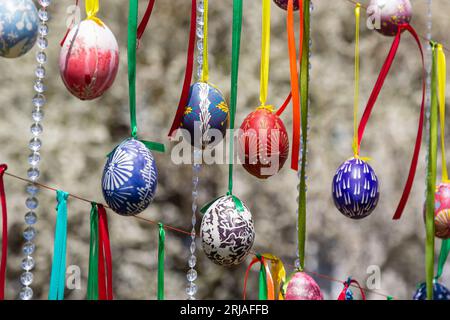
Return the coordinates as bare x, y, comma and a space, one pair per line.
278, 273
92, 8
265, 52
356, 97
205, 66
269, 108
441, 77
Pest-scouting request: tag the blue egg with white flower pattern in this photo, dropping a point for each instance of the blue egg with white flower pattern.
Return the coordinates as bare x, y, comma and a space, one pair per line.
439, 292
129, 178
355, 189
18, 27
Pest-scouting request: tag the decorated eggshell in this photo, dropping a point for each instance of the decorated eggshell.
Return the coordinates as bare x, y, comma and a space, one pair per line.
18, 27
439, 292
129, 178
89, 60
206, 116
442, 211
355, 189
227, 234
389, 14
283, 4
303, 287
263, 143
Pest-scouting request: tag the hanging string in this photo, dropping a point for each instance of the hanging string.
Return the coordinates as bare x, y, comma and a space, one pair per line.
441, 84
3, 168
92, 8
92, 290
105, 291
144, 22
161, 246
58, 273
265, 52
356, 97
205, 64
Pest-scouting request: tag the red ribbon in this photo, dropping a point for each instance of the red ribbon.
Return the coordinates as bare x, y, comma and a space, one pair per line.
269, 280
3, 168
347, 284
370, 104
104, 255
188, 73
144, 22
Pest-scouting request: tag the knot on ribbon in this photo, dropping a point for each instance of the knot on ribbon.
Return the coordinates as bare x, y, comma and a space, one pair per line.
3, 168
269, 108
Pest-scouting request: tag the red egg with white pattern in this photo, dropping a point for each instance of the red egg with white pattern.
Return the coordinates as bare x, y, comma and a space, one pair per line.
89, 60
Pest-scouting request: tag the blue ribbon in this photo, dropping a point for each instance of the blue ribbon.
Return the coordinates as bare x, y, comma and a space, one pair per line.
58, 275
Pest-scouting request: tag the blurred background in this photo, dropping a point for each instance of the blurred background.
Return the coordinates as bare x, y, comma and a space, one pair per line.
78, 135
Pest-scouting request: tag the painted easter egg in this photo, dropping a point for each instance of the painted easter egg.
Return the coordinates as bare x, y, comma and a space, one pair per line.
89, 60
129, 178
355, 189
439, 292
18, 27
263, 143
283, 4
206, 115
387, 15
303, 287
227, 233
442, 211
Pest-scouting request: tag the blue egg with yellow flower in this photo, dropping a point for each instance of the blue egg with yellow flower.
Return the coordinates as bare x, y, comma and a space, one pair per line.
18, 27
206, 115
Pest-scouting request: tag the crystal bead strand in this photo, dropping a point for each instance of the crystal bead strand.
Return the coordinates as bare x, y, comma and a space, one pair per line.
191, 275
297, 260
35, 144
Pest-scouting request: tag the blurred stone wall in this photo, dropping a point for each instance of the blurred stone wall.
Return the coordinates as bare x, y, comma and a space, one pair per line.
78, 135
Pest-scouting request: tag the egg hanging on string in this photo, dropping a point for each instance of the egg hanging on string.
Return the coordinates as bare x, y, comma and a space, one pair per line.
439, 292
303, 287
283, 4
263, 143
386, 15
130, 178
89, 59
206, 115
18, 27
227, 233
355, 189
442, 211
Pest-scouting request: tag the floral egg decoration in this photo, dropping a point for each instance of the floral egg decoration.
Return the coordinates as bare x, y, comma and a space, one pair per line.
89, 59
283, 4
18, 27
439, 292
129, 178
206, 115
263, 143
442, 211
387, 15
303, 287
227, 233
355, 189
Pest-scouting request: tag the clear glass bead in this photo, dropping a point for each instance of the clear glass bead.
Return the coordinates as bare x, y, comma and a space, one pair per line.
26, 278
191, 289
35, 144
43, 15
32, 203
33, 160
26, 293
200, 7
192, 261
36, 129
45, 3
200, 59
41, 57
32, 189
191, 275
30, 218
200, 20
197, 168
191, 298
42, 43
40, 72
37, 115
43, 29
39, 86
27, 263
33, 174
28, 248
199, 32
29, 233
192, 247
39, 99
297, 263
194, 207
200, 45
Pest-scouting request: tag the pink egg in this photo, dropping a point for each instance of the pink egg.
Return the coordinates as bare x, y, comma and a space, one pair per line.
89, 60
442, 211
303, 287
387, 15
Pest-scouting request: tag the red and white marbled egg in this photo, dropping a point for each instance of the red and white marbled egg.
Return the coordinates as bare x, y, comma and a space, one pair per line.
89, 60
442, 211
303, 287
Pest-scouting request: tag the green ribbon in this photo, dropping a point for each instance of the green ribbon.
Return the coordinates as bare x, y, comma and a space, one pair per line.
58, 273
92, 290
431, 180
161, 245
304, 92
445, 249
237, 202
262, 279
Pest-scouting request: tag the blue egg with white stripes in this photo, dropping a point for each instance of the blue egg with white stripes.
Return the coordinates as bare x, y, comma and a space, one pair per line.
18, 27
355, 189
129, 178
